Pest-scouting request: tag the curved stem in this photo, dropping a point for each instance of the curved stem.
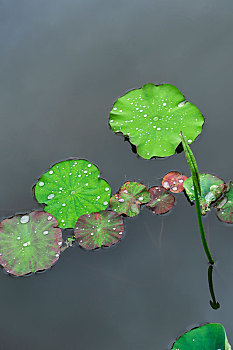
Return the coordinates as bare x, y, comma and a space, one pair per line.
213, 303
201, 227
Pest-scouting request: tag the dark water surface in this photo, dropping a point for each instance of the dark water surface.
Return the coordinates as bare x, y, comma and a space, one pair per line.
62, 64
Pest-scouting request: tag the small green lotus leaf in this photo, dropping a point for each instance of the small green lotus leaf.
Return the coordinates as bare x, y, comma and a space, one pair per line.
161, 201
72, 188
101, 229
153, 116
211, 189
129, 198
29, 243
173, 181
225, 207
211, 336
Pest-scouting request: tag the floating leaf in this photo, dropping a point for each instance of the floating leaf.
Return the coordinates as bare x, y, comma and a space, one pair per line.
153, 116
129, 198
173, 181
225, 207
211, 336
72, 188
101, 229
161, 201
29, 243
211, 189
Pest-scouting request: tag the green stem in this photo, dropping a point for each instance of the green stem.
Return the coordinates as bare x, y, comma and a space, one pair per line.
201, 228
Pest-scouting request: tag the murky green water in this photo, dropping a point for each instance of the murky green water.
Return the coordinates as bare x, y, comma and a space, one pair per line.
62, 65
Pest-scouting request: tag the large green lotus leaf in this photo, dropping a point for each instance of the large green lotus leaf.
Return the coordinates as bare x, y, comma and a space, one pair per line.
72, 188
211, 336
101, 229
225, 207
29, 243
129, 198
211, 189
153, 116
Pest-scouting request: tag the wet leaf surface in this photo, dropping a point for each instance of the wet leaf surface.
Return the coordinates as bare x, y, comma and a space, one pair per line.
161, 201
72, 188
153, 116
212, 188
129, 198
29, 243
225, 207
208, 337
173, 181
101, 229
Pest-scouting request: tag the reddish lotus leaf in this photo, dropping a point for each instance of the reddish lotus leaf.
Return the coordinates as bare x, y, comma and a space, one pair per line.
129, 198
173, 181
161, 200
101, 229
29, 243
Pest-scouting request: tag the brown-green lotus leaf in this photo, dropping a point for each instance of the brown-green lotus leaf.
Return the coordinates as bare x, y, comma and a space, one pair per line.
161, 201
129, 198
29, 243
225, 206
101, 229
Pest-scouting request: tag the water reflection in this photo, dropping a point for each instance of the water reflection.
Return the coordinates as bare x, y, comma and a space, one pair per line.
213, 303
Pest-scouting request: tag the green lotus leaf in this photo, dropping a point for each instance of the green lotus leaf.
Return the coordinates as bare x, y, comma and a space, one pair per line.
72, 188
211, 336
212, 188
101, 229
153, 116
129, 198
225, 207
161, 201
29, 243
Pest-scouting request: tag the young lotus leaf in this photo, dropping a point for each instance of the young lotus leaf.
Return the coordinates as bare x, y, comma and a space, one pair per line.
173, 181
101, 229
29, 243
211, 189
153, 116
72, 188
129, 198
161, 201
211, 336
225, 207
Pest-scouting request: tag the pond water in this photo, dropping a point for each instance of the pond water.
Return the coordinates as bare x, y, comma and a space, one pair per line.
63, 63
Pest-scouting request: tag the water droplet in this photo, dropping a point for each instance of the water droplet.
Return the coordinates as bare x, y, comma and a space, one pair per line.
105, 203
50, 196
51, 172
50, 217
41, 183
140, 198
24, 219
45, 232
106, 188
63, 204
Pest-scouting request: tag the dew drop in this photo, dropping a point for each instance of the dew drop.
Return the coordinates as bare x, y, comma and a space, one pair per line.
24, 219
41, 183
51, 172
50, 196
45, 232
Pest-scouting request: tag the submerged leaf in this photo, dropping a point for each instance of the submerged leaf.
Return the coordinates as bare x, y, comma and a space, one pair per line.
72, 188
161, 201
211, 336
173, 181
225, 207
153, 116
29, 243
211, 189
129, 198
101, 229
